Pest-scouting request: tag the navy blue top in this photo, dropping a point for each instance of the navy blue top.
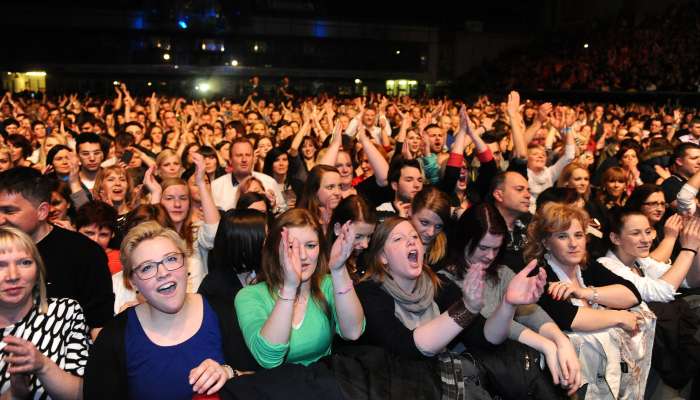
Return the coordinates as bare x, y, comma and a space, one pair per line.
162, 372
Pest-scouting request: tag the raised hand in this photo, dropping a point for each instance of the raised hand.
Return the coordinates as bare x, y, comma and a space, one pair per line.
513, 104
690, 236
673, 226
524, 289
473, 288
342, 247
543, 112
199, 172
149, 180
290, 258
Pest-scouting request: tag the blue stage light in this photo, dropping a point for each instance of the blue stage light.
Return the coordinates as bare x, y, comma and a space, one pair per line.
182, 23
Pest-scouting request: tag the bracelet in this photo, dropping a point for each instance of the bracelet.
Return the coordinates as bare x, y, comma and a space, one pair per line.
279, 296
691, 250
594, 300
345, 289
460, 315
229, 371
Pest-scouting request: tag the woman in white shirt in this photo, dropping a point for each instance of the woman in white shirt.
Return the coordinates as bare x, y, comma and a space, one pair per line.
676, 353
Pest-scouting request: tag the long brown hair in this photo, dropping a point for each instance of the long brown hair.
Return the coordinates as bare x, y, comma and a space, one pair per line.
436, 201
376, 270
104, 174
271, 270
309, 194
186, 230
552, 218
566, 173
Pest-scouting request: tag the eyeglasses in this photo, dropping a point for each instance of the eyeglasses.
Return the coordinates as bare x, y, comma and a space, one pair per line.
655, 204
149, 269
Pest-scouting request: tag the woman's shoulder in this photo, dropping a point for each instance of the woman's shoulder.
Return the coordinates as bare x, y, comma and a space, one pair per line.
64, 308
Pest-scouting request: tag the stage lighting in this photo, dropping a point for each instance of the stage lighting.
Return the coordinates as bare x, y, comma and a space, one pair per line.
182, 23
166, 56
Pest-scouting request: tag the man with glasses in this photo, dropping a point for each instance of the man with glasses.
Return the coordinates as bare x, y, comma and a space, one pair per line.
90, 154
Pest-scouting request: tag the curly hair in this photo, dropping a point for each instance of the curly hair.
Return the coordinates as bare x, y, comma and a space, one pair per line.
552, 218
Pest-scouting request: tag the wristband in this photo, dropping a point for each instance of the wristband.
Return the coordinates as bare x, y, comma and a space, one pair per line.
229, 371
691, 250
460, 315
279, 296
345, 289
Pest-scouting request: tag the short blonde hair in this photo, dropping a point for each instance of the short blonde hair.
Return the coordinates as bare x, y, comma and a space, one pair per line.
13, 238
140, 233
552, 218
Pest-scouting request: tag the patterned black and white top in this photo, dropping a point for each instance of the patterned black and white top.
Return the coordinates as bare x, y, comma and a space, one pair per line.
60, 334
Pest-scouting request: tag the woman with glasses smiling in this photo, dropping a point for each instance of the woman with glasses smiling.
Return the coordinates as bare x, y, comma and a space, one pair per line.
176, 344
649, 200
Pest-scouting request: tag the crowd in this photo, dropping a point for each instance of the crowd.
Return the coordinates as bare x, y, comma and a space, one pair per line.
372, 247
656, 53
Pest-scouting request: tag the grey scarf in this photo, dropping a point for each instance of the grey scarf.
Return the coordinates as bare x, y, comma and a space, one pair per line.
417, 307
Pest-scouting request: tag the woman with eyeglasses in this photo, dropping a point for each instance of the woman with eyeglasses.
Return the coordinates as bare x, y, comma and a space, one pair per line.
175, 344
649, 200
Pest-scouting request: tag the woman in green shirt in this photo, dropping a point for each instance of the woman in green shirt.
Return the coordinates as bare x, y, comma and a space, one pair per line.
291, 314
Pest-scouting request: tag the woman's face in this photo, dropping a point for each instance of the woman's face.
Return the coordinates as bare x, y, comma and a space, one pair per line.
194, 189
635, 236
615, 188
329, 192
579, 180
486, 251
414, 141
176, 201
264, 144
403, 252
50, 143
61, 162
256, 187
18, 275
15, 153
166, 290
170, 168
210, 164
309, 249
427, 224
463, 176
5, 161
363, 233
308, 150
366, 166
258, 128
536, 159
629, 159
114, 187
654, 207
281, 165
568, 246
344, 166
157, 136
58, 208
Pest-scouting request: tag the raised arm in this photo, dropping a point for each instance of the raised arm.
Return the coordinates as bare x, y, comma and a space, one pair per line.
516, 124
350, 316
331, 154
211, 213
375, 158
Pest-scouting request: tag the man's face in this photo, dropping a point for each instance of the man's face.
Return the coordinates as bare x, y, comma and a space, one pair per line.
242, 158
136, 132
11, 129
170, 119
86, 127
695, 129
437, 139
689, 164
445, 123
20, 213
99, 235
39, 131
368, 117
655, 126
410, 182
514, 196
91, 156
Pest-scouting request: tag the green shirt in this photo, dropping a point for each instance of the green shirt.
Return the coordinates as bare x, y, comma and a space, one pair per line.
307, 343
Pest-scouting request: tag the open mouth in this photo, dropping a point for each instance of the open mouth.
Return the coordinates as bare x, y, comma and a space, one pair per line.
167, 288
413, 256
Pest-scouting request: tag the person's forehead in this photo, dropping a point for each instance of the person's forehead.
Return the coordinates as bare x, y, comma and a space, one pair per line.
89, 146
515, 179
14, 199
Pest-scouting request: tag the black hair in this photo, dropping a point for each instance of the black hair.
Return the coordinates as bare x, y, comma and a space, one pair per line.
238, 243
557, 195
28, 182
22, 142
400, 163
88, 137
640, 194
54, 150
99, 213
